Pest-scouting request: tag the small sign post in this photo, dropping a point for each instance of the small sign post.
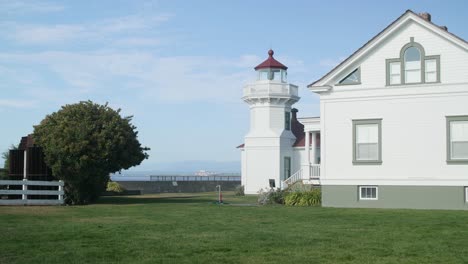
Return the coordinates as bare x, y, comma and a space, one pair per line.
220, 195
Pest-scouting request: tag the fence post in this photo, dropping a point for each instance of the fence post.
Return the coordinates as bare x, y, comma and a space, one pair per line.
60, 188
25, 188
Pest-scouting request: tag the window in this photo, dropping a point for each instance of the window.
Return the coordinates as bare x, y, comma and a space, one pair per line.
466, 194
368, 193
413, 66
287, 167
430, 70
457, 139
353, 78
269, 74
395, 72
367, 141
287, 121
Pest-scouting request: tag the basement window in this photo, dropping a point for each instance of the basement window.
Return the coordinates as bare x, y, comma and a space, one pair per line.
466, 194
368, 193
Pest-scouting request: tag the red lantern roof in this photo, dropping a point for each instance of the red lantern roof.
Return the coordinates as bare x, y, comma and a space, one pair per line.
271, 63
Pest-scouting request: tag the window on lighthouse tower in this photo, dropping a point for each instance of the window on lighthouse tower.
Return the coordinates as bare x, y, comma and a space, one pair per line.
278, 75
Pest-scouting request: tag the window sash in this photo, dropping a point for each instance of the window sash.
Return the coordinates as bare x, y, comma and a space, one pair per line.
367, 141
430, 70
412, 75
457, 139
459, 130
367, 133
367, 151
368, 193
395, 72
287, 120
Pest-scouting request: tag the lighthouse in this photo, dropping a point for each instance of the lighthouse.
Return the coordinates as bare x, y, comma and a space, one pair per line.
267, 151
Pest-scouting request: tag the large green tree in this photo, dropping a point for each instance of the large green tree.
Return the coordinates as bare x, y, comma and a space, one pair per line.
83, 143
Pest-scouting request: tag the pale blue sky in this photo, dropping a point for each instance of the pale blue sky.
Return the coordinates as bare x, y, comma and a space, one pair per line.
179, 66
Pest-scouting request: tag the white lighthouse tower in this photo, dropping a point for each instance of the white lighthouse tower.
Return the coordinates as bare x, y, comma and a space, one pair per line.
267, 150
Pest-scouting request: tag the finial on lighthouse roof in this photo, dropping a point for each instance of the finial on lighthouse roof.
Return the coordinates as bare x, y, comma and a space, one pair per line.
271, 63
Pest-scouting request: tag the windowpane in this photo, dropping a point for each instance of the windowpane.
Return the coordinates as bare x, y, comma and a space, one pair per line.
368, 193
275, 75
352, 78
363, 193
412, 65
395, 68
367, 151
395, 73
412, 54
287, 121
460, 150
431, 77
395, 79
431, 70
367, 133
413, 76
459, 130
431, 65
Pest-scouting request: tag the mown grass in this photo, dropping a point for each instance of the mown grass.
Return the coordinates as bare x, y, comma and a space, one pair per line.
190, 228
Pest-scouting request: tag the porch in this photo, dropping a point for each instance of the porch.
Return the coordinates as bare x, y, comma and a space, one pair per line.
309, 171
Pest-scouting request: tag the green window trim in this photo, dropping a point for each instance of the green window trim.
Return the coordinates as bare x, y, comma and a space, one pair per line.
448, 139
401, 60
344, 81
358, 122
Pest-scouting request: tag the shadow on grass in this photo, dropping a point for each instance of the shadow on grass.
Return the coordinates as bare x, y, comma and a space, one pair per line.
137, 199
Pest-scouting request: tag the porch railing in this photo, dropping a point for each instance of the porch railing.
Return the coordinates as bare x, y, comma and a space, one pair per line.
311, 173
294, 178
314, 171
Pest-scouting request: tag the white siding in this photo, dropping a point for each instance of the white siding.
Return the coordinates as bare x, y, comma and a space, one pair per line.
413, 137
373, 68
413, 117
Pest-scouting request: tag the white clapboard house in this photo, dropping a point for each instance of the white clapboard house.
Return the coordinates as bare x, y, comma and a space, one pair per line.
393, 124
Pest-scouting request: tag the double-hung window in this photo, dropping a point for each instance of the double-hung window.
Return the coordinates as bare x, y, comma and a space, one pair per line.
457, 139
367, 141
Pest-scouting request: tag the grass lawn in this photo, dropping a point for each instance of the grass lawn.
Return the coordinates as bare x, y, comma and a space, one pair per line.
189, 228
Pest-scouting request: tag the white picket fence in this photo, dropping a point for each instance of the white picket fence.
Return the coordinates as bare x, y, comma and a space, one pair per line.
24, 192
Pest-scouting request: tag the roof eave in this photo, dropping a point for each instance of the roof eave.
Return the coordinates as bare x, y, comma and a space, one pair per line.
319, 89
363, 49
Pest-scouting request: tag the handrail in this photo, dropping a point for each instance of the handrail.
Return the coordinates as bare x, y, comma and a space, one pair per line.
294, 178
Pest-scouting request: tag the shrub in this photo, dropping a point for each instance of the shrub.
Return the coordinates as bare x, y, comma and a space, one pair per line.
239, 191
271, 196
83, 143
306, 198
114, 187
